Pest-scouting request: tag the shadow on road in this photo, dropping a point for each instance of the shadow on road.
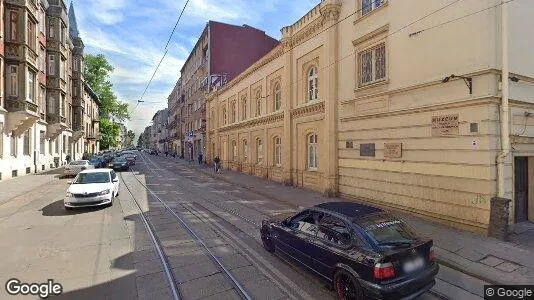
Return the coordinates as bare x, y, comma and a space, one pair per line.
57, 208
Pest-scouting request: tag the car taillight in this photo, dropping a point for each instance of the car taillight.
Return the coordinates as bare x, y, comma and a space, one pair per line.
384, 271
431, 255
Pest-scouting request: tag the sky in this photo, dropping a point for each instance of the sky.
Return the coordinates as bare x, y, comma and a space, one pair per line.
132, 35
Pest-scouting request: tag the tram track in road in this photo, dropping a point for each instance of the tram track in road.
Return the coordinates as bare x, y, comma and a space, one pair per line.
164, 258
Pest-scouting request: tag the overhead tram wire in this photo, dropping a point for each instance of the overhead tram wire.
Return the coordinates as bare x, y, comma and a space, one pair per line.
358, 11
164, 54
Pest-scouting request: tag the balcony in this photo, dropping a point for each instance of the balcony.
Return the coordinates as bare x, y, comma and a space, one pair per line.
93, 136
22, 115
56, 83
78, 131
56, 46
56, 125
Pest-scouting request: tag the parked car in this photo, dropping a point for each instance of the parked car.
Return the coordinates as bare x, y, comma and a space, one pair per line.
76, 166
123, 153
130, 158
120, 164
92, 188
97, 161
363, 251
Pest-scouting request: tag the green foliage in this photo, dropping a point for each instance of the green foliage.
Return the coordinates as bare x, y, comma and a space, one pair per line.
109, 133
97, 72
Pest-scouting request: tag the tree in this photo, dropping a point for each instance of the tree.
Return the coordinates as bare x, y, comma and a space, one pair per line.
97, 72
141, 140
109, 133
130, 136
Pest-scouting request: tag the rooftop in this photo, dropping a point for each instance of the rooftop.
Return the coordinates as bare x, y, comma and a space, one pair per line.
349, 209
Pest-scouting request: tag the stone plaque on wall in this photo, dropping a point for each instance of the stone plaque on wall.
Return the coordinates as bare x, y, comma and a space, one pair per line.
367, 149
445, 125
393, 150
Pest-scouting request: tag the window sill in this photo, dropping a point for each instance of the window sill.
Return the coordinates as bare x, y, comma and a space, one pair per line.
372, 12
312, 170
371, 85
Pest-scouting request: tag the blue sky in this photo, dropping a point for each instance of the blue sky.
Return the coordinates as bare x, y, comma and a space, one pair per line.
133, 33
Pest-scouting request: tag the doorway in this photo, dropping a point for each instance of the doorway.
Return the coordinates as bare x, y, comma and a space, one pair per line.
521, 189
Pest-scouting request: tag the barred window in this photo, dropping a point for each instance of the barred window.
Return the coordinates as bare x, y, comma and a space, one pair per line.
224, 116
258, 103
372, 64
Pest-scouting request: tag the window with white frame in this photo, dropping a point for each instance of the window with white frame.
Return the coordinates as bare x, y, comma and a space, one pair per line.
372, 64
51, 64
31, 85
312, 151
234, 150
26, 142
259, 151
277, 92
313, 91
13, 80
277, 151
14, 141
370, 5
245, 150
258, 103
244, 108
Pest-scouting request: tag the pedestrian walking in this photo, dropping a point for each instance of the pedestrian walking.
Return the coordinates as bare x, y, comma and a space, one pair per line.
217, 162
200, 156
166, 153
67, 158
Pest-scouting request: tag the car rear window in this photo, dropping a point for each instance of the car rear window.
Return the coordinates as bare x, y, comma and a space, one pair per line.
387, 230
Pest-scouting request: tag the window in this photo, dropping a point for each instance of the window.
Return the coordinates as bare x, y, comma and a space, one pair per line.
305, 222
13, 79
50, 147
62, 69
1, 139
62, 34
51, 64
32, 40
277, 151
334, 231
259, 151
372, 64
245, 151
42, 60
370, 5
233, 113
312, 84
42, 142
64, 144
13, 23
14, 142
244, 108
76, 62
234, 150
51, 29
26, 143
224, 116
312, 151
62, 106
258, 103
386, 229
277, 97
31, 85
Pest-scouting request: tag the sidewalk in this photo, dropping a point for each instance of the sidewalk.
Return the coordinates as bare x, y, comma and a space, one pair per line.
11, 188
482, 257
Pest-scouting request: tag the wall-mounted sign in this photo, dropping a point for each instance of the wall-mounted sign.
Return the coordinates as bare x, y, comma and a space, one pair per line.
393, 150
445, 125
367, 149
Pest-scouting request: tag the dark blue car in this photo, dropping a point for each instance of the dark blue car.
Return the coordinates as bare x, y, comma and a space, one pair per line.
363, 251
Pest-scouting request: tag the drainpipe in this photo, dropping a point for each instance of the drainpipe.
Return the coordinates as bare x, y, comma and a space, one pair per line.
504, 124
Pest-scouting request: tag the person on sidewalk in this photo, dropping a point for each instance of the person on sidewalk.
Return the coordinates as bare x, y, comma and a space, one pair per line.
217, 162
67, 158
200, 156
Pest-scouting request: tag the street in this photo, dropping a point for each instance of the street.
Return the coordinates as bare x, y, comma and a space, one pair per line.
205, 229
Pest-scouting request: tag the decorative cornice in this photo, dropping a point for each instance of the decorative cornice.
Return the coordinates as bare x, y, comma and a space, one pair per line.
331, 11
308, 110
273, 118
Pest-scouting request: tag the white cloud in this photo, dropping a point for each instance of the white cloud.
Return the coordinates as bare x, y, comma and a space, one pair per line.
108, 12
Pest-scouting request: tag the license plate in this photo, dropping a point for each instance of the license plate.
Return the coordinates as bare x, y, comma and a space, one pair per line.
413, 265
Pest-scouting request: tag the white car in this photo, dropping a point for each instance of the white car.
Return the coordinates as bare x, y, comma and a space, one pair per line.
76, 166
92, 188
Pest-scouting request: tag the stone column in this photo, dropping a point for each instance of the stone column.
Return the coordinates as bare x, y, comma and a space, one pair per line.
287, 87
330, 11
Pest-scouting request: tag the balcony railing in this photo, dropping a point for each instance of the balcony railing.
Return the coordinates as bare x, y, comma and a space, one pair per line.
54, 119
18, 105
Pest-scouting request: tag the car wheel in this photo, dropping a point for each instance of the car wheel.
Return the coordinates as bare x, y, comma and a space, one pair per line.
267, 240
346, 286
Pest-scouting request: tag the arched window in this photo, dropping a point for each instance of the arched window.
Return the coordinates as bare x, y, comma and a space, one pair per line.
258, 103
277, 97
234, 119
225, 117
259, 151
234, 150
312, 151
245, 151
277, 151
312, 84
244, 108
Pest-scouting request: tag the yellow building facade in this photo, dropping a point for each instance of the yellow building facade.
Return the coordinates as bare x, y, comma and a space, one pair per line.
359, 101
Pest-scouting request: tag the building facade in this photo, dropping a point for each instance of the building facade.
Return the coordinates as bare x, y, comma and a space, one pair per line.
175, 103
37, 128
368, 100
159, 128
221, 53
